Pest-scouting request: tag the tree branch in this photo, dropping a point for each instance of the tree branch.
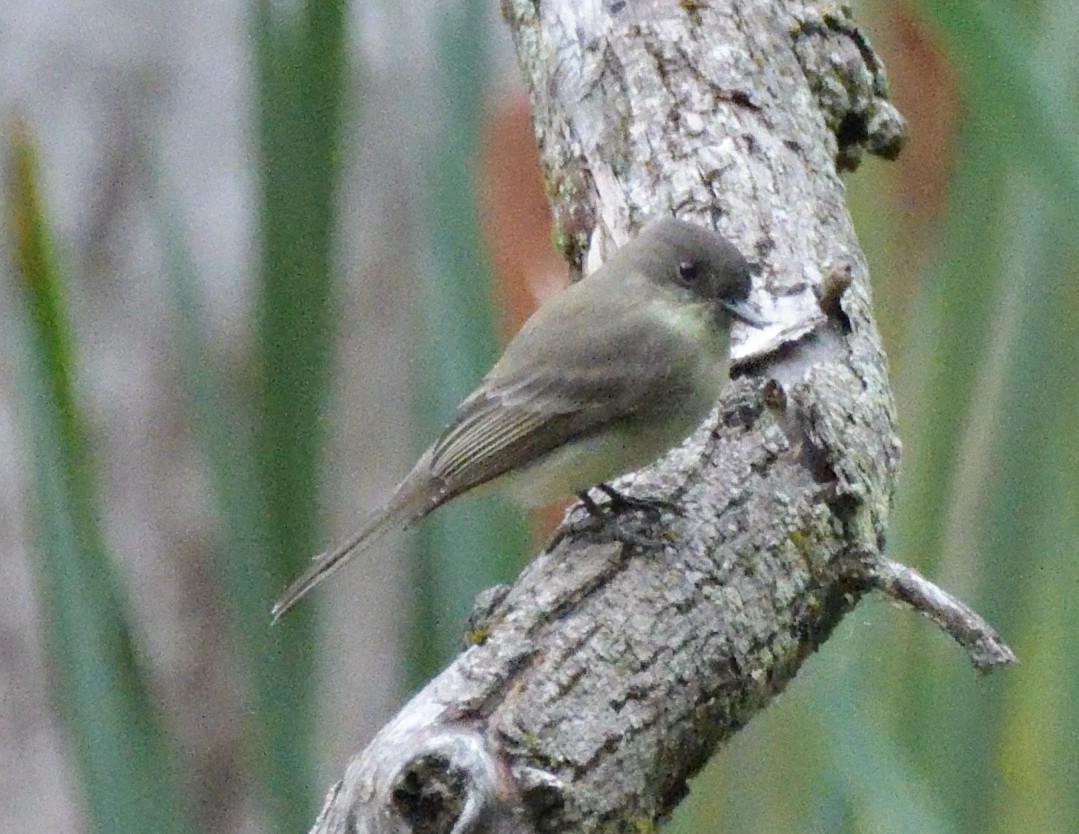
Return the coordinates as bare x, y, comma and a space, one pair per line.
608, 674
909, 588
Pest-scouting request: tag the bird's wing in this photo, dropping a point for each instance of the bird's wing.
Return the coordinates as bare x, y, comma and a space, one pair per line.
543, 394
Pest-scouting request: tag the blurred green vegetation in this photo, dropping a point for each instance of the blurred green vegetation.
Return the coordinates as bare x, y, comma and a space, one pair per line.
100, 686
261, 445
300, 62
472, 544
888, 729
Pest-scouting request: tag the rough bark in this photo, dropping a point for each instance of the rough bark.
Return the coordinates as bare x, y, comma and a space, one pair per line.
608, 674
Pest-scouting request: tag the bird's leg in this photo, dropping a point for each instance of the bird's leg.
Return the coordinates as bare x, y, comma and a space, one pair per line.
593, 508
600, 517
592, 523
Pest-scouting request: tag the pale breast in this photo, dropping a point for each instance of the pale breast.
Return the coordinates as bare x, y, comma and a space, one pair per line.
620, 448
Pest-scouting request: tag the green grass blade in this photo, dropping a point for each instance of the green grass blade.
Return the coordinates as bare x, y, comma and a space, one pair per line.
300, 54
476, 542
221, 417
222, 426
120, 745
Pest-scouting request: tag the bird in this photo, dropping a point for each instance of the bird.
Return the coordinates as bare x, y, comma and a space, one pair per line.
604, 378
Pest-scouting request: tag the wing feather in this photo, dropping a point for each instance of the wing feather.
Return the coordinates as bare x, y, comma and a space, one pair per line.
544, 394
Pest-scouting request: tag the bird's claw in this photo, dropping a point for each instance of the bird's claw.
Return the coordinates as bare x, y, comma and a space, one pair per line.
602, 517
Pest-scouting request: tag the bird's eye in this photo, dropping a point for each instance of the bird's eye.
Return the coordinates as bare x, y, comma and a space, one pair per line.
688, 272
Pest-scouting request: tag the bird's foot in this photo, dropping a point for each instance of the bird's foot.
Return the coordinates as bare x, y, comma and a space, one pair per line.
607, 518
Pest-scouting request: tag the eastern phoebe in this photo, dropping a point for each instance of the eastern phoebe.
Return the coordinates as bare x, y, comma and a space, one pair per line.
601, 380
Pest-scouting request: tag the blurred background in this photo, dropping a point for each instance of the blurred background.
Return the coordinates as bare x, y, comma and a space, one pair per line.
253, 255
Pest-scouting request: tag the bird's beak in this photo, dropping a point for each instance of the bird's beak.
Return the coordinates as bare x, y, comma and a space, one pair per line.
744, 311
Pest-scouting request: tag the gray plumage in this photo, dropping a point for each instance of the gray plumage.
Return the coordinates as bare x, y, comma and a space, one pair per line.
601, 380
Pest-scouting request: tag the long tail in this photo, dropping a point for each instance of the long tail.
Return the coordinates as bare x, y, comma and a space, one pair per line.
411, 502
